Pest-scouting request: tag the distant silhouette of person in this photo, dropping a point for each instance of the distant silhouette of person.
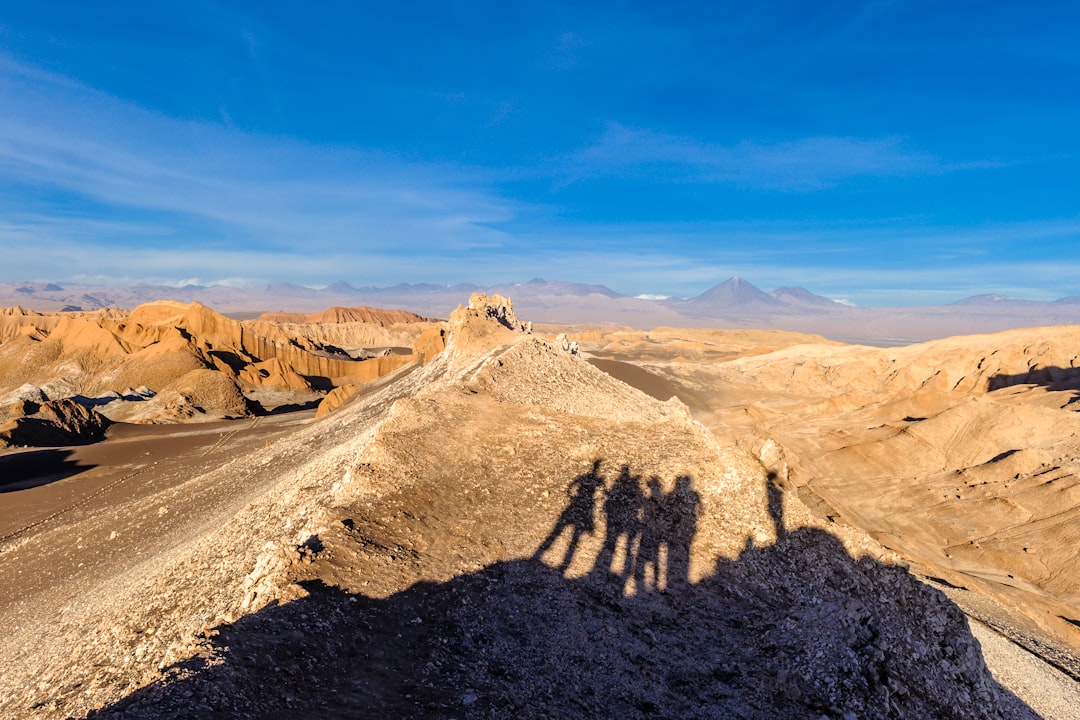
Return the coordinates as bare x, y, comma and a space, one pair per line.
622, 508
653, 532
682, 506
578, 515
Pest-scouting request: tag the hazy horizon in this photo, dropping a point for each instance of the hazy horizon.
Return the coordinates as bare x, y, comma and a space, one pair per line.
254, 285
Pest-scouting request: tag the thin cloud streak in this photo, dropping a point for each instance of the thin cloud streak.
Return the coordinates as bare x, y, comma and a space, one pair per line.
660, 273
164, 200
801, 165
265, 189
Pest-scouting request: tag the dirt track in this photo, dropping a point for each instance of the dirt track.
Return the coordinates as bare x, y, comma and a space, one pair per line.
101, 490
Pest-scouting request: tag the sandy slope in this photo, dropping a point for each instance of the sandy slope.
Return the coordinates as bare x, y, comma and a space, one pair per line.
960, 454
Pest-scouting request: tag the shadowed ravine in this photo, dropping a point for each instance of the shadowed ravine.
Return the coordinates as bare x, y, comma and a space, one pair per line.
793, 629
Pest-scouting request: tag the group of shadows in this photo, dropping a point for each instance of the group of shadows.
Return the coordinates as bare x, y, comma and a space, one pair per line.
647, 533
793, 629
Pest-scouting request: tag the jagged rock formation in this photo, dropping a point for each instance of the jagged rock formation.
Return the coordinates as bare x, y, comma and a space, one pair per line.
200, 363
52, 422
504, 531
359, 332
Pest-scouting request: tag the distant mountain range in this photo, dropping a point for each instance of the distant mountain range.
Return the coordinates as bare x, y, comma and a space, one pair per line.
732, 303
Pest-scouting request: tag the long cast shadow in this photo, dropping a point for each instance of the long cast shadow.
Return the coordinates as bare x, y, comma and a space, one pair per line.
1051, 377
794, 629
22, 470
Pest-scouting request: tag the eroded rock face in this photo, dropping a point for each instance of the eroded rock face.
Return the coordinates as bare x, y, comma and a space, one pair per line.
338, 315
335, 399
98, 355
431, 342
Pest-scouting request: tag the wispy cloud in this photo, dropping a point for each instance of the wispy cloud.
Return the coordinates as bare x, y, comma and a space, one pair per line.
658, 264
804, 164
249, 191
894, 263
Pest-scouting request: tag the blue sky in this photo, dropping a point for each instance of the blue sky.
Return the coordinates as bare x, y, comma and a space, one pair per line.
881, 152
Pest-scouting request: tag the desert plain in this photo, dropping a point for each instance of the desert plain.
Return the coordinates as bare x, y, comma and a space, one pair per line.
370, 513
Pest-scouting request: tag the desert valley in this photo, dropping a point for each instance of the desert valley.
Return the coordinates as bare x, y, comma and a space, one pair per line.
522, 511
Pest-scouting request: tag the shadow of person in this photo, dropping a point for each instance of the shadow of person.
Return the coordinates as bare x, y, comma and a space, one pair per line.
648, 571
622, 511
775, 505
578, 516
681, 507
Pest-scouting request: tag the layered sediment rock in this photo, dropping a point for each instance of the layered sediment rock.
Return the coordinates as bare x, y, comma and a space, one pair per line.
97, 355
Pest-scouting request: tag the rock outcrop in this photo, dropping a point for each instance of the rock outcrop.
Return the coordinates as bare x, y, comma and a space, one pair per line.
54, 422
335, 399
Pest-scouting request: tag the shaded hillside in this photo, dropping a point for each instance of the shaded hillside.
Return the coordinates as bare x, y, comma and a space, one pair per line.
630, 637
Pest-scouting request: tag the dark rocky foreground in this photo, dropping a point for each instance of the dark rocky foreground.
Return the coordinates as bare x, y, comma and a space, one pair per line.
796, 629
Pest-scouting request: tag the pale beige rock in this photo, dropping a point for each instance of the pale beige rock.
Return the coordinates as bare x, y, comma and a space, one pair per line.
335, 399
